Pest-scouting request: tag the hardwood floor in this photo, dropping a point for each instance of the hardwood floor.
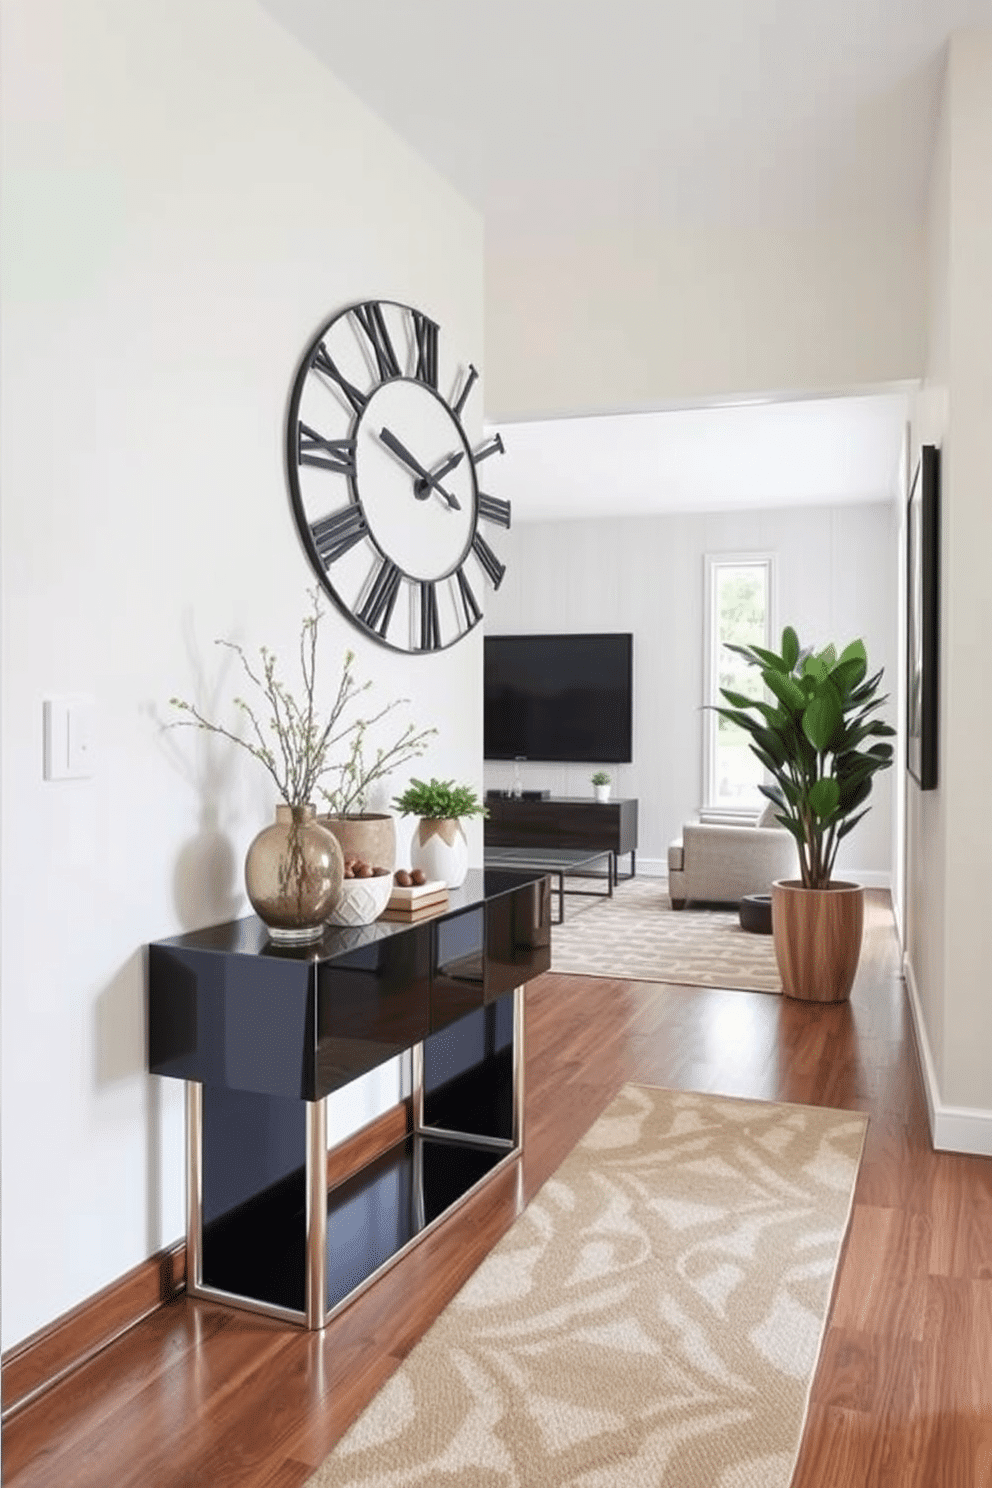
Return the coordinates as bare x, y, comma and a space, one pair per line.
197, 1395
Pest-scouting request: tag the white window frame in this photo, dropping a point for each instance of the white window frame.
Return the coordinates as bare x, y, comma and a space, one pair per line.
711, 671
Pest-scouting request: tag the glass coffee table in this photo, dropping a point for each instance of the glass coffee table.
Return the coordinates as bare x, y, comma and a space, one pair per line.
560, 862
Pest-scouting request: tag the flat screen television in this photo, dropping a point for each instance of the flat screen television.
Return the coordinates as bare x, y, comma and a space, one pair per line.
560, 698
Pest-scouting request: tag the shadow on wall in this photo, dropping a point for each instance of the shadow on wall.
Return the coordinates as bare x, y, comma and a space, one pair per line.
121, 1052
206, 879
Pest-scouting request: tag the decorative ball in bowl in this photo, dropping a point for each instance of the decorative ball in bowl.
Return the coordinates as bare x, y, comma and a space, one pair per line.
365, 893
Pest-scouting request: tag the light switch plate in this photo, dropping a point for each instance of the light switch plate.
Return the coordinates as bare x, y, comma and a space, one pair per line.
70, 723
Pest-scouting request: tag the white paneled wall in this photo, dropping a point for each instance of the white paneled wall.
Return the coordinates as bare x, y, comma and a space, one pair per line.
836, 579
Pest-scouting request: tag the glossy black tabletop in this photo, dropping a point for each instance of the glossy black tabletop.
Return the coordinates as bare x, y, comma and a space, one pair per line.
229, 1007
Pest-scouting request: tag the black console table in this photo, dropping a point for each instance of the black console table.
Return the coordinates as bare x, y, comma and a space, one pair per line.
262, 1034
566, 822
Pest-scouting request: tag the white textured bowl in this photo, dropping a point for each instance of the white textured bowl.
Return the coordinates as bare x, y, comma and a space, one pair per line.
362, 900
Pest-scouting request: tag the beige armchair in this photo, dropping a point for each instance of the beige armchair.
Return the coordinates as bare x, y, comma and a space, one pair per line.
720, 864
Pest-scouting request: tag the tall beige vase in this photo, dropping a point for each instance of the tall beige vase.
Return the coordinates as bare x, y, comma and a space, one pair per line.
817, 936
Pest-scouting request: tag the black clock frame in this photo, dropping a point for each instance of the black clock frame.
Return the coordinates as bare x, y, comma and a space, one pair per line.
327, 539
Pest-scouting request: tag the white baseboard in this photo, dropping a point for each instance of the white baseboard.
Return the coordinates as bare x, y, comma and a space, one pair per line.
649, 867
966, 1129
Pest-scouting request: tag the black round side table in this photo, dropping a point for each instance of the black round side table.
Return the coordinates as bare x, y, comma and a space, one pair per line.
756, 913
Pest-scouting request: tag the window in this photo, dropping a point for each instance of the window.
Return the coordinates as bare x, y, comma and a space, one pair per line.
739, 611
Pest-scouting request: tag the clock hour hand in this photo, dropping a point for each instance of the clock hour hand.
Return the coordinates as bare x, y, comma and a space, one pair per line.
423, 485
426, 480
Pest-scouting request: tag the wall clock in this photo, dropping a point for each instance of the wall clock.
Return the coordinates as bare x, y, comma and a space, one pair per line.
384, 482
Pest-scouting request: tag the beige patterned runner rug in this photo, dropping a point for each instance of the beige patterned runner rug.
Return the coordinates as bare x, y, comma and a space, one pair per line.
653, 1317
637, 936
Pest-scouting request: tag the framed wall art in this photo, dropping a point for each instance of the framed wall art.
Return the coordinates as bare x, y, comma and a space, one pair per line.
923, 618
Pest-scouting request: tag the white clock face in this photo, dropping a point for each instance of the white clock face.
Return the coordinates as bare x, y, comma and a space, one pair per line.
384, 483
405, 435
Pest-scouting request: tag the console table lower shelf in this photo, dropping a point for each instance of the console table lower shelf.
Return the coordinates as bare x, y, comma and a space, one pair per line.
264, 1232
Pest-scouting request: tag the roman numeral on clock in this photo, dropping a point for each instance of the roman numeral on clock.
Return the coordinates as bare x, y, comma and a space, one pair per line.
372, 322
377, 611
430, 629
494, 447
494, 569
321, 361
312, 448
457, 407
494, 509
473, 614
334, 535
425, 336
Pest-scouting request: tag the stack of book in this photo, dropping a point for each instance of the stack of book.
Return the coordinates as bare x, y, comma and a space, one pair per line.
416, 902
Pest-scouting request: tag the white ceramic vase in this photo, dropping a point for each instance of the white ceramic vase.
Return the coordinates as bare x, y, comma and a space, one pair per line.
602, 792
440, 848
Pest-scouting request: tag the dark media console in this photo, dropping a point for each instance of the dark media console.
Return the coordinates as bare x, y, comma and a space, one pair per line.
527, 795
564, 821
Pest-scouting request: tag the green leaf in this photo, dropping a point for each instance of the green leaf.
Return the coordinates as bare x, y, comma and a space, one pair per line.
828, 657
850, 824
785, 690
855, 652
790, 647
814, 667
742, 720
846, 675
738, 699
770, 742
822, 719
824, 796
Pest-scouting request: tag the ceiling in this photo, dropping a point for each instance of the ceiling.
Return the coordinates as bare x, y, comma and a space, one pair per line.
552, 113
559, 116
813, 452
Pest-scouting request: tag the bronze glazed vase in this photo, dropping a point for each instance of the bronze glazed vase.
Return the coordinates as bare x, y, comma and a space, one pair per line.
293, 874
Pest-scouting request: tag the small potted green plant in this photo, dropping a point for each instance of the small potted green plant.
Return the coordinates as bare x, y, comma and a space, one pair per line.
821, 744
439, 846
601, 785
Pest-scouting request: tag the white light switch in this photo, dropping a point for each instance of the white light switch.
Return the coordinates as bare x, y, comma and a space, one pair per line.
69, 737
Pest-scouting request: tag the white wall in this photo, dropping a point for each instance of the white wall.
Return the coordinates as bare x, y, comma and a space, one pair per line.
836, 579
603, 323
949, 940
186, 194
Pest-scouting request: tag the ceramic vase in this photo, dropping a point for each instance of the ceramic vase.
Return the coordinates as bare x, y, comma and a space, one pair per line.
293, 874
602, 792
369, 835
440, 848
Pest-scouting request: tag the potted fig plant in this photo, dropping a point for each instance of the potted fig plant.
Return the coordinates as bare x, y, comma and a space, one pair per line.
822, 743
439, 846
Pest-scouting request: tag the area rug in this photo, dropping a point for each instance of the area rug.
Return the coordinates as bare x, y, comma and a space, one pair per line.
636, 935
653, 1317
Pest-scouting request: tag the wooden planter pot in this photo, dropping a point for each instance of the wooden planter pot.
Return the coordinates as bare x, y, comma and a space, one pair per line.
817, 938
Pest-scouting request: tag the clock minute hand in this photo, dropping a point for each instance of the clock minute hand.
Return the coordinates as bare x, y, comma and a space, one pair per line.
400, 450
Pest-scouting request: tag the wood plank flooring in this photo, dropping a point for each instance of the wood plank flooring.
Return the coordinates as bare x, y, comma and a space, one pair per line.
197, 1395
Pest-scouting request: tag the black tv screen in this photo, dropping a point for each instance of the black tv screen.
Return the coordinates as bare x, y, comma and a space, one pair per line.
565, 698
